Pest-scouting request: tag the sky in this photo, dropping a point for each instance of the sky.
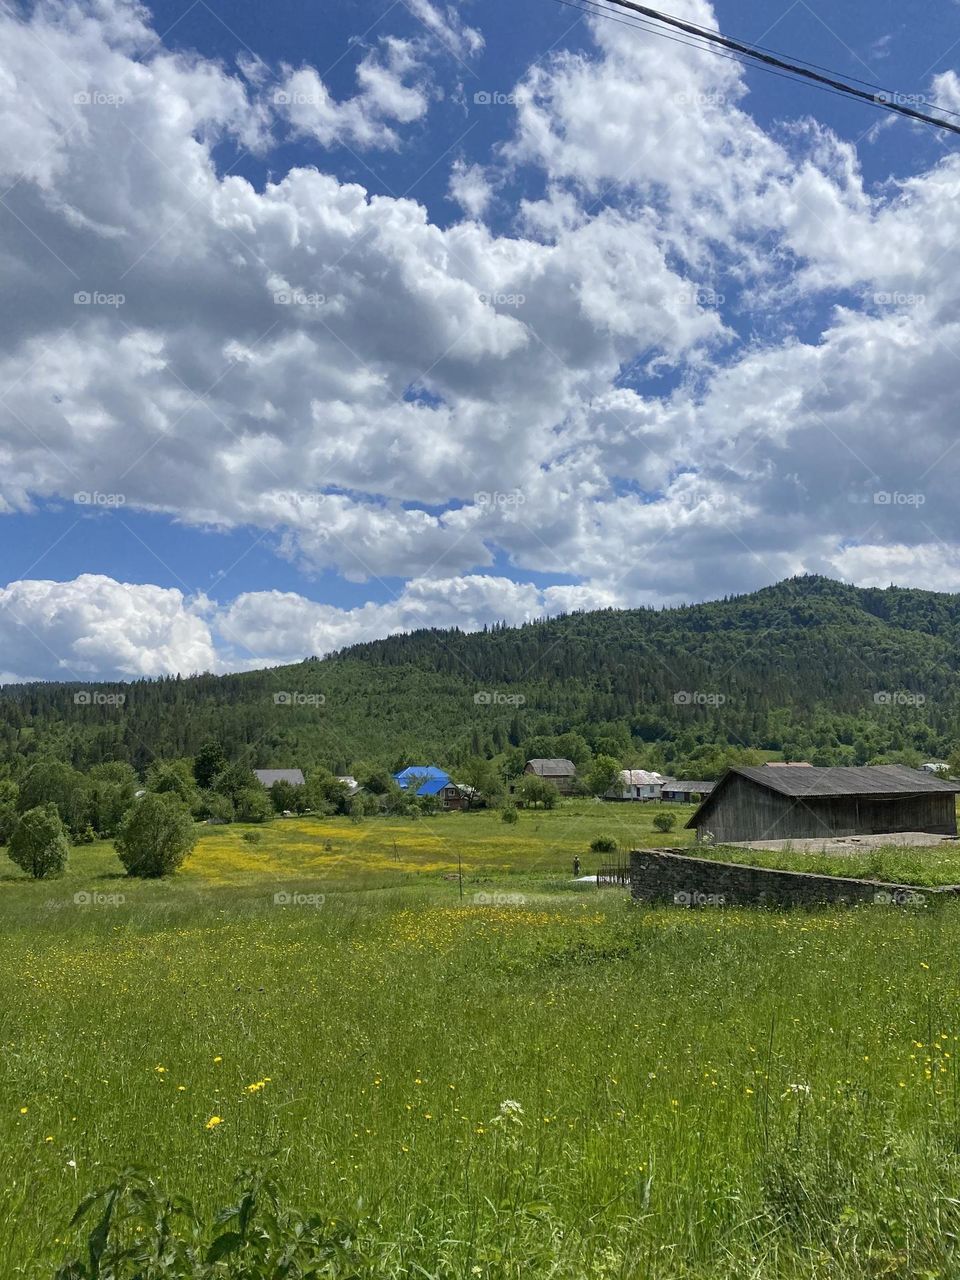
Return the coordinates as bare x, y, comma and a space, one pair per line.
325, 321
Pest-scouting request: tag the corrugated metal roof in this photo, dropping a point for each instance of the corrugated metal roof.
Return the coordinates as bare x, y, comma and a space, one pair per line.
640, 778
428, 777
552, 768
845, 780
269, 776
674, 784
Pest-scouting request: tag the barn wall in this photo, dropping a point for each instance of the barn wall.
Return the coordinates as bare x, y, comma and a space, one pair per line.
746, 811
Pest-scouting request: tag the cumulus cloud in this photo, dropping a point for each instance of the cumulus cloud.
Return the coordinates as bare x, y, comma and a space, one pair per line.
364, 120
96, 628
647, 379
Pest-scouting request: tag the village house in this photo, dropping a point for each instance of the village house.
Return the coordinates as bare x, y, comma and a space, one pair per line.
428, 780
686, 791
562, 773
267, 777
806, 802
635, 784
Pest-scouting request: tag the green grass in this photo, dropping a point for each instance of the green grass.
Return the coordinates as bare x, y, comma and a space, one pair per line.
937, 865
708, 1094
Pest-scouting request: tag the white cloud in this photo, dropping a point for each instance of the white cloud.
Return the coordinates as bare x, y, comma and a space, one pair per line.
389, 397
94, 627
365, 119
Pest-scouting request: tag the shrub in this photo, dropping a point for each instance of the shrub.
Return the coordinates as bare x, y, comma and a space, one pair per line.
665, 821
253, 805
39, 843
603, 844
253, 837
510, 815
156, 836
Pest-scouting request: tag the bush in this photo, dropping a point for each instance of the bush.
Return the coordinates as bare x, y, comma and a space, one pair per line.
510, 815
253, 837
156, 836
603, 844
252, 804
39, 843
665, 821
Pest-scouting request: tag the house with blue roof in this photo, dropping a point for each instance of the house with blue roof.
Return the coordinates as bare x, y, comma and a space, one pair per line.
428, 780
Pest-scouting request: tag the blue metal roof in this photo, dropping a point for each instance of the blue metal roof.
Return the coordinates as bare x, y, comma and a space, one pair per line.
432, 780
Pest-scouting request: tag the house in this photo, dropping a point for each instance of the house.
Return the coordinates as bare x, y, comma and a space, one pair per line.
934, 766
806, 802
428, 780
562, 773
422, 775
684, 792
636, 784
350, 783
267, 777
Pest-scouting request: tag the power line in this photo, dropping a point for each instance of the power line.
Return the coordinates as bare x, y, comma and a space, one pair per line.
704, 38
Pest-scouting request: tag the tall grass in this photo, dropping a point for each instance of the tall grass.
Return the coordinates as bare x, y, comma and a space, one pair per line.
699, 1094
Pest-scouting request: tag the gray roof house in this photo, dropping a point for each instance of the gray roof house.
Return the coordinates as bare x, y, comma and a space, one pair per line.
562, 773
269, 776
806, 802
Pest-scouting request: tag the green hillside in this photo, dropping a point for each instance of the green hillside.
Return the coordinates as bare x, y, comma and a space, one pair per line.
808, 668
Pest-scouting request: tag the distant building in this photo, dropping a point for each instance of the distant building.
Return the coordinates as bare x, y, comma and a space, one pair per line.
636, 784
684, 792
269, 776
428, 780
806, 802
934, 766
350, 783
562, 773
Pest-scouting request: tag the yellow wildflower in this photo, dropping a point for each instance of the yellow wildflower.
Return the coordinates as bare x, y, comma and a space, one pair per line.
213, 1122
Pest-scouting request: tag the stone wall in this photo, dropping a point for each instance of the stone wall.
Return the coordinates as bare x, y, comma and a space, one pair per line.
670, 875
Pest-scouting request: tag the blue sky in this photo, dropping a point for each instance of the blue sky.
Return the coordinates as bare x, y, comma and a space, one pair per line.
332, 321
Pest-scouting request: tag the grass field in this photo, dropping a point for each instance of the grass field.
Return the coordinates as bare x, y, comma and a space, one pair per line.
699, 1094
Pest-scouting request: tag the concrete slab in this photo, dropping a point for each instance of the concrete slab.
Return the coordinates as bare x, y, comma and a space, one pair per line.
847, 844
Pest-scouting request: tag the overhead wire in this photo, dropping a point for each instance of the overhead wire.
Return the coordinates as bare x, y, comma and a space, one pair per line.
761, 58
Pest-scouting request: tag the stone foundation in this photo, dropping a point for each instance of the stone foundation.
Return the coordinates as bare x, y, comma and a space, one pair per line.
671, 875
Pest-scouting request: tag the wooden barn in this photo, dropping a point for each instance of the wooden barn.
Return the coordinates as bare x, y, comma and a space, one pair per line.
803, 802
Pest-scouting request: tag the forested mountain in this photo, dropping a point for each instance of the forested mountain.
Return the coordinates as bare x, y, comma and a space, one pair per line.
811, 668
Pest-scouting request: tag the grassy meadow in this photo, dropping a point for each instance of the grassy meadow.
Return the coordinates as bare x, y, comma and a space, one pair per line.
535, 1080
